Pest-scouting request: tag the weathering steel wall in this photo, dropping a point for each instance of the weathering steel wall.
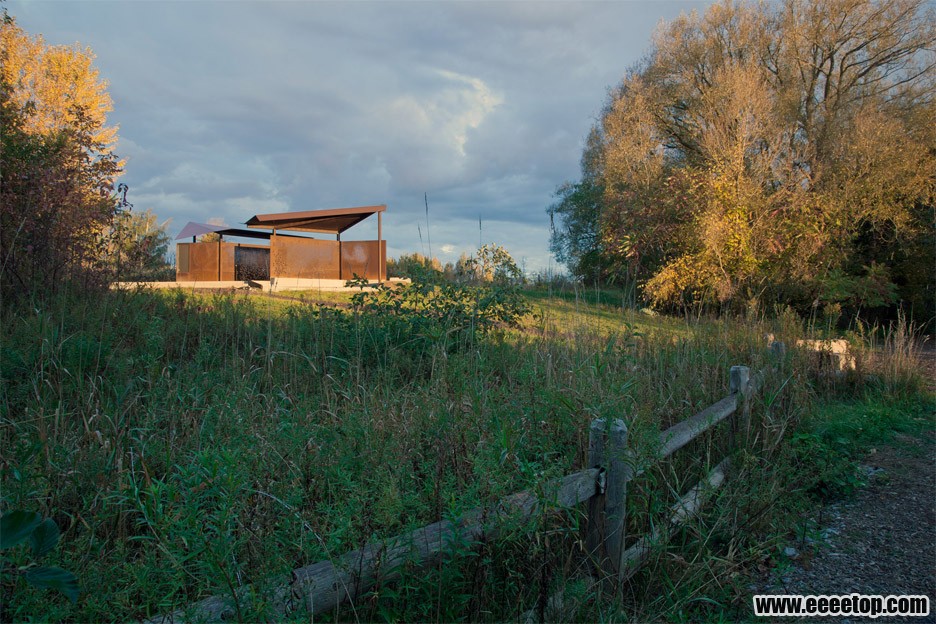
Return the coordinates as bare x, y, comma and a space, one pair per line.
287, 256
306, 258
198, 262
312, 258
361, 258
220, 261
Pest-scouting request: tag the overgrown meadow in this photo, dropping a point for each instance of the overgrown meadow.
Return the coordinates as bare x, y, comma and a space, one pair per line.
190, 445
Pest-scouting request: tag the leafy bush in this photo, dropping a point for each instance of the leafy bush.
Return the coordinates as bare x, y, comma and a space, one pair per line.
452, 313
16, 527
493, 263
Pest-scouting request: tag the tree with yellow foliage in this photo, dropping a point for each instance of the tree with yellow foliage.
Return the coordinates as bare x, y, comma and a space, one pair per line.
57, 165
772, 152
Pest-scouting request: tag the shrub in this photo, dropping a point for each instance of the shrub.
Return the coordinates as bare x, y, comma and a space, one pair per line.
449, 312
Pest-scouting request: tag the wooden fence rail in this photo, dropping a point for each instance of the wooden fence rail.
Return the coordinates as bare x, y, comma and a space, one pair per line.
322, 586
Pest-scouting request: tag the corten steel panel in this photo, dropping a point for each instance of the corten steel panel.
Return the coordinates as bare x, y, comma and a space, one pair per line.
227, 261
182, 258
202, 263
360, 257
251, 262
307, 258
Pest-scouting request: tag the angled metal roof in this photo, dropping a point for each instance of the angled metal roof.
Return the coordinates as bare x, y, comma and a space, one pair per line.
330, 221
198, 229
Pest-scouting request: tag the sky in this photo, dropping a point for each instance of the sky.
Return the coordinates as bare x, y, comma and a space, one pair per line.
227, 109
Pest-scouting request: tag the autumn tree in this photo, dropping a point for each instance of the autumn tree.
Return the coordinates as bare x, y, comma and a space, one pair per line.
773, 151
57, 166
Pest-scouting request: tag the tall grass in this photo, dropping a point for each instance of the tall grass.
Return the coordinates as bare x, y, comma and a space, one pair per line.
190, 445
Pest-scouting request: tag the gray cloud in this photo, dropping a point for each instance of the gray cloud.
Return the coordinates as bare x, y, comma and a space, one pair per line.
229, 109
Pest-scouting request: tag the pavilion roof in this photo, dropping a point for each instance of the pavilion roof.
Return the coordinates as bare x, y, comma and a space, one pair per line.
329, 221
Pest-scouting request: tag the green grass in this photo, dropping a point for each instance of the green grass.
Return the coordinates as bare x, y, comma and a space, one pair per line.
842, 433
855, 426
590, 315
189, 444
319, 296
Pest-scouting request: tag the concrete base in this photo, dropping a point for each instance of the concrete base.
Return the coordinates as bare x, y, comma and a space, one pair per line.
277, 284
280, 284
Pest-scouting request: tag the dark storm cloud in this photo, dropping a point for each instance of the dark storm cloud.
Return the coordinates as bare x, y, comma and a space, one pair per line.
229, 109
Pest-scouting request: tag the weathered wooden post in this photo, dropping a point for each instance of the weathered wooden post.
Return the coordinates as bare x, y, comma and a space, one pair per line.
740, 384
607, 448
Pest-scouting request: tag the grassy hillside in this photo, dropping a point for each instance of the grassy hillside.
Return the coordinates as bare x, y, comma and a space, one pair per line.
187, 445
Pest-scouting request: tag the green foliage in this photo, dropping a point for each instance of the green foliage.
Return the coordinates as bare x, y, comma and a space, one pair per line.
15, 527
874, 289
493, 263
836, 435
432, 311
138, 246
417, 266
450, 314
53, 578
578, 210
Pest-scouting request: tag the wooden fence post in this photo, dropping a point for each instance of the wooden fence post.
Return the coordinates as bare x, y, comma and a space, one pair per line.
606, 511
596, 504
740, 383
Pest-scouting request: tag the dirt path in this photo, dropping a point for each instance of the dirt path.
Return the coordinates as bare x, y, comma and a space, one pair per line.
880, 542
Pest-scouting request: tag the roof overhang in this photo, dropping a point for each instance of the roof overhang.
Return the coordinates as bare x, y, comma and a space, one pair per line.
330, 221
199, 229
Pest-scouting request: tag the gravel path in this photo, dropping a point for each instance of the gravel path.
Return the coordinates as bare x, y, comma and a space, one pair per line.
881, 541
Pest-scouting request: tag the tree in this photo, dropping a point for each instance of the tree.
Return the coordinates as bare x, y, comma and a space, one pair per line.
765, 151
575, 219
492, 264
57, 165
137, 247
414, 265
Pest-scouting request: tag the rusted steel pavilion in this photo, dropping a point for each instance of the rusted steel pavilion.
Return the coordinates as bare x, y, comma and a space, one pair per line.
286, 255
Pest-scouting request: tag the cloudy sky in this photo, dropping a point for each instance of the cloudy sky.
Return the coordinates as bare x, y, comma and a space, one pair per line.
229, 109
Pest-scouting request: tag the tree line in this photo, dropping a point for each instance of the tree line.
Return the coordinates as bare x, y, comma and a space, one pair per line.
766, 153
490, 263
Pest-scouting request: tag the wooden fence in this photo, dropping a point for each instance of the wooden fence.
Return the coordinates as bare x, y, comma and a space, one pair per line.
602, 485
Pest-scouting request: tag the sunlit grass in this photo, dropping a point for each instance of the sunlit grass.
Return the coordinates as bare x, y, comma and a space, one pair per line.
584, 314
